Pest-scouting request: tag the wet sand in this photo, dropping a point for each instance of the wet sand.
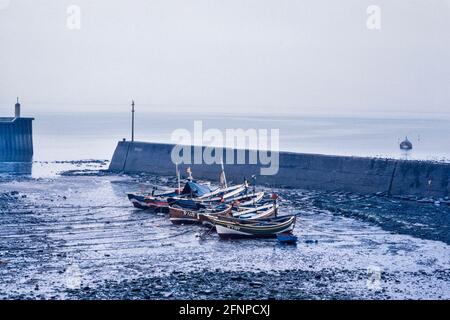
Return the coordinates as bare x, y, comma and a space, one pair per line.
76, 236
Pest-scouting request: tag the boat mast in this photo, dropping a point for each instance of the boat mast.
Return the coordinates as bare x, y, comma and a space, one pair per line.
189, 171
132, 121
254, 187
254, 183
178, 177
223, 174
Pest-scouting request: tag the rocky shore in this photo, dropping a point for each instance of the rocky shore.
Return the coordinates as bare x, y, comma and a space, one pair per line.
236, 285
205, 284
75, 236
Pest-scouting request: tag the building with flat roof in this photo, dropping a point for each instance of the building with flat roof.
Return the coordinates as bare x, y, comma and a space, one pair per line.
16, 137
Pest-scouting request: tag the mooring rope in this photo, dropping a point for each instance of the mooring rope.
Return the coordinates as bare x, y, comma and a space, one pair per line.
206, 233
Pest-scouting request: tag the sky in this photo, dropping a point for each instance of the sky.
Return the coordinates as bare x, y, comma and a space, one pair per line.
252, 56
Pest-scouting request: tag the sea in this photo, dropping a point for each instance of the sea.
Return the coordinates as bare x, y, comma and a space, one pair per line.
94, 135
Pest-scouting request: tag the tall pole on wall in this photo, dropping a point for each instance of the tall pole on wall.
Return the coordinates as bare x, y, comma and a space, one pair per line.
132, 121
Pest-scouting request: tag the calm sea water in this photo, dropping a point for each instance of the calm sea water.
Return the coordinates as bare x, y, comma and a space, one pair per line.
90, 135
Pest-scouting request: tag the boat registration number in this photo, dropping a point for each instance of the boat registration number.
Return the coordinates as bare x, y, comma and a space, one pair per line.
190, 214
234, 228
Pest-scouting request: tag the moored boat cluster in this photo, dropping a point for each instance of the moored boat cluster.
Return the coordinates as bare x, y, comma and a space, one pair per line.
236, 211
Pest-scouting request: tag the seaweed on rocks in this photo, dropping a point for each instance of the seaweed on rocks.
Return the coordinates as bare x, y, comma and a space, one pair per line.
288, 284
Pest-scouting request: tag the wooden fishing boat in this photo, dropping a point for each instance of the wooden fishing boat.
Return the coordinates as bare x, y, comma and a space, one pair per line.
192, 190
180, 215
157, 203
247, 199
225, 195
219, 192
161, 201
242, 199
256, 212
243, 228
250, 213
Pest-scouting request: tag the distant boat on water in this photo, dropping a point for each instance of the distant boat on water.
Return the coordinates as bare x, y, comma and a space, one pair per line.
406, 144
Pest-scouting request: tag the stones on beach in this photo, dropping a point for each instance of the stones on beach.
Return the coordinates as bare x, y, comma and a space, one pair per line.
425, 200
8, 196
288, 284
193, 283
256, 284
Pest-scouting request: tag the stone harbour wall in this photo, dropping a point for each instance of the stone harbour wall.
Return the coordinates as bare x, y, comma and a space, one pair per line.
298, 170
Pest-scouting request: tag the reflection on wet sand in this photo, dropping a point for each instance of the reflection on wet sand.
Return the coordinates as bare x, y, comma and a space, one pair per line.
19, 168
76, 235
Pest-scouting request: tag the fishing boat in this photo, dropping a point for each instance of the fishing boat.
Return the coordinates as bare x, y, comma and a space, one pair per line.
244, 228
147, 202
250, 213
179, 215
161, 201
246, 199
406, 144
192, 190
242, 198
256, 212
227, 194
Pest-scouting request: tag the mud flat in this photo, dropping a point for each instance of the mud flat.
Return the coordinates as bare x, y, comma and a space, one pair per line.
286, 284
76, 236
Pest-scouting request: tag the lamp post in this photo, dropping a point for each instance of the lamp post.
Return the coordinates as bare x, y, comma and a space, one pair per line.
132, 121
17, 109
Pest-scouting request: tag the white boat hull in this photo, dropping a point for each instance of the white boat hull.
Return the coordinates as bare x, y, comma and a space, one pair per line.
235, 232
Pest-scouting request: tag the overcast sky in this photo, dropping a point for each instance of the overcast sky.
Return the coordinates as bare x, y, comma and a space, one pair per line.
300, 56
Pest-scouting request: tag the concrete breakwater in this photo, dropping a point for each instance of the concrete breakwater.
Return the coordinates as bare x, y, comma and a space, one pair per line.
297, 170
